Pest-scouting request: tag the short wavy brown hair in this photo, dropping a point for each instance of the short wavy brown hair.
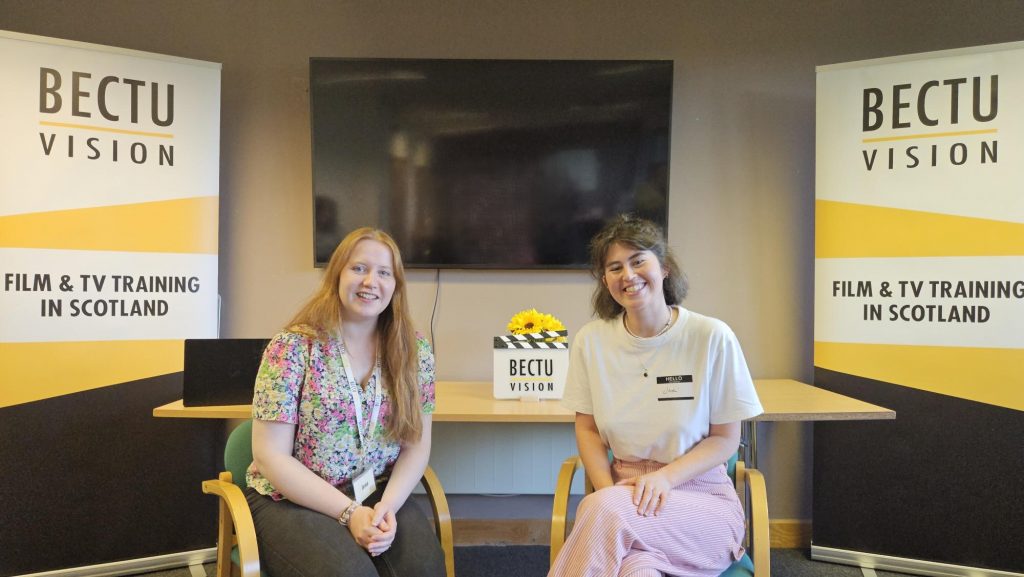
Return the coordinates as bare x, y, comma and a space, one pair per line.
640, 234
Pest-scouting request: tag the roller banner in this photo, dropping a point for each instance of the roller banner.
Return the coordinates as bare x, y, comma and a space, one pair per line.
109, 188
919, 305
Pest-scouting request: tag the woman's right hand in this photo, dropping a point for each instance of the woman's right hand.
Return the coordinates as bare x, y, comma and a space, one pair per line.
650, 491
384, 519
360, 524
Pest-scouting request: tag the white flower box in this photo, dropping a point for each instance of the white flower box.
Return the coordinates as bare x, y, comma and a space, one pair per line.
530, 367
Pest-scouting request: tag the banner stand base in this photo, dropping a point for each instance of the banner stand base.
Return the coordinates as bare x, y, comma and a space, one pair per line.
901, 564
135, 566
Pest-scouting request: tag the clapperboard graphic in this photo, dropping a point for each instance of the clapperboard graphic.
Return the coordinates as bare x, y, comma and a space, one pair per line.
532, 365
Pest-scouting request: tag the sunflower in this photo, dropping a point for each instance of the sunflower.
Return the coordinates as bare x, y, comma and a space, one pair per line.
532, 321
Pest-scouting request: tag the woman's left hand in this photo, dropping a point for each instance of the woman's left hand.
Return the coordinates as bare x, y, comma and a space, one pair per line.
650, 492
384, 519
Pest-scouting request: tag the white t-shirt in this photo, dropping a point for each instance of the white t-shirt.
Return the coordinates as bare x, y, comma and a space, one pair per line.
696, 376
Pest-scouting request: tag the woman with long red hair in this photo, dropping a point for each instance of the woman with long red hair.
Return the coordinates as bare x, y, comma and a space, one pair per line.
341, 427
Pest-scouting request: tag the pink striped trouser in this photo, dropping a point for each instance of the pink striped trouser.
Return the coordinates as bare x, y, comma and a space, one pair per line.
698, 533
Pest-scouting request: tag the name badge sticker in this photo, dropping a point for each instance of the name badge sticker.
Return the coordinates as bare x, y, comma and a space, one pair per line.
675, 388
363, 485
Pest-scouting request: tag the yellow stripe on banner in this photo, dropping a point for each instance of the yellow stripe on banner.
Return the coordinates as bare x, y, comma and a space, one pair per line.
186, 225
105, 129
991, 376
846, 230
925, 135
36, 371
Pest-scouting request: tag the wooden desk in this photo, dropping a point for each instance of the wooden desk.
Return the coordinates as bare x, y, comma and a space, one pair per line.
473, 402
457, 402
789, 400
782, 399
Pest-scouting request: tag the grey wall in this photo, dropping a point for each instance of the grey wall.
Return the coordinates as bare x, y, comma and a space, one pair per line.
742, 184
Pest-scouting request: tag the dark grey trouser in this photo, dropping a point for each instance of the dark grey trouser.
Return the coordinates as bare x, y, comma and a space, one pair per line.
297, 542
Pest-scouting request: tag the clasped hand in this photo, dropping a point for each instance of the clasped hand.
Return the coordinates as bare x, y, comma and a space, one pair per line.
650, 492
373, 529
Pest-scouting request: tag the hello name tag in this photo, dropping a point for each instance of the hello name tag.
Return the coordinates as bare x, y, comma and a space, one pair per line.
363, 485
675, 388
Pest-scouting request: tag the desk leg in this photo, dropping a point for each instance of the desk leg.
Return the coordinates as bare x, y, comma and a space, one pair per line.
748, 439
748, 436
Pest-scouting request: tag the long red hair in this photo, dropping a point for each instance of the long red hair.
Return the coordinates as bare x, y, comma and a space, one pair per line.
321, 316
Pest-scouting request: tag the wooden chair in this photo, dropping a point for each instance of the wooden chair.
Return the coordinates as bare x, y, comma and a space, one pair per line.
237, 553
749, 484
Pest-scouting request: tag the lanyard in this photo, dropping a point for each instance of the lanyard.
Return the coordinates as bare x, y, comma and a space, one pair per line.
357, 397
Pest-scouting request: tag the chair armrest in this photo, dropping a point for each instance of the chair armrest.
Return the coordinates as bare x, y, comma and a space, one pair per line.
442, 517
759, 522
234, 513
561, 503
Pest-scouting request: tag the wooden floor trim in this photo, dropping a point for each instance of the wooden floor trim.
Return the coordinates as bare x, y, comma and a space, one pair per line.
501, 531
790, 533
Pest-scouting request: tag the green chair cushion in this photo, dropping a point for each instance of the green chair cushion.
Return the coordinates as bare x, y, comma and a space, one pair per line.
742, 568
238, 453
235, 562
237, 457
730, 466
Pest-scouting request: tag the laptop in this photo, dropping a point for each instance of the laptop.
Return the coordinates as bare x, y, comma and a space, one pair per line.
220, 371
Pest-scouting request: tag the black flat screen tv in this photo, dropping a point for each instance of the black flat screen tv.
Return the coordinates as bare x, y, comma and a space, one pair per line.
499, 164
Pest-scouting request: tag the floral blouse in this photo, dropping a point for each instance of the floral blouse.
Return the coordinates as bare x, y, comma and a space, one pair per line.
302, 380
